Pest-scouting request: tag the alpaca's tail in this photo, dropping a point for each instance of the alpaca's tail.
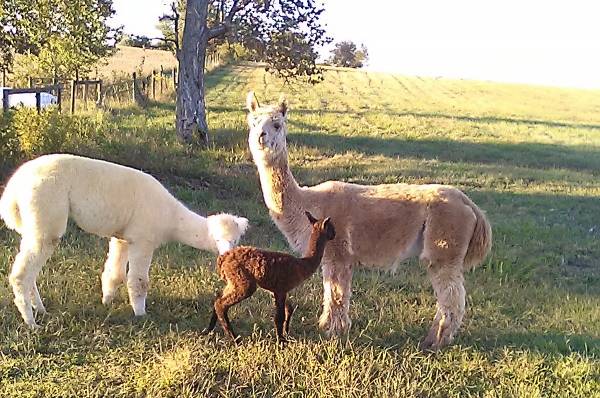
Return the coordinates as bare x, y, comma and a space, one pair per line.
9, 209
481, 241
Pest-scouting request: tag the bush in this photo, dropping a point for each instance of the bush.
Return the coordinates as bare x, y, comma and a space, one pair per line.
25, 134
10, 149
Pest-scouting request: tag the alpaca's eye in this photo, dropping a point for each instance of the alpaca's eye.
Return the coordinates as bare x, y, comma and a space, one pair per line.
277, 125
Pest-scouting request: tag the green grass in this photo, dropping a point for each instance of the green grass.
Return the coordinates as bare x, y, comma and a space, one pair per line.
529, 156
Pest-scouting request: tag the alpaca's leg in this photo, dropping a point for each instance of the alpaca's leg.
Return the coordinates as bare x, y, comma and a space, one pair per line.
337, 284
232, 294
140, 257
33, 254
213, 318
280, 310
115, 269
448, 231
38, 305
448, 284
289, 311
211, 324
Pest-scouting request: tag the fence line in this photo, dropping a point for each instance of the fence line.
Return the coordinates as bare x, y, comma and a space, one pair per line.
134, 87
7, 92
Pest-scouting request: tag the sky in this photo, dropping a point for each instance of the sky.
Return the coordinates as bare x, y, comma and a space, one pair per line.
548, 42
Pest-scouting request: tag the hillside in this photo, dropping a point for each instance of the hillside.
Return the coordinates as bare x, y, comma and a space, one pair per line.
130, 59
529, 156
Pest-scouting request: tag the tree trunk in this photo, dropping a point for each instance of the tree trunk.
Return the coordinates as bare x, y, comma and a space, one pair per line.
191, 113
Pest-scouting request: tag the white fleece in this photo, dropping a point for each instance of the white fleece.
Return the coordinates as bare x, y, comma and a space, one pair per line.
109, 200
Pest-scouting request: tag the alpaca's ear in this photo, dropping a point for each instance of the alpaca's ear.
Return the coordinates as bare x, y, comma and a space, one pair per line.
310, 217
242, 223
251, 102
328, 227
283, 105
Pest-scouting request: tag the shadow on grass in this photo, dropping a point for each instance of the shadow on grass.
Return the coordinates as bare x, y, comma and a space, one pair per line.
430, 115
551, 342
536, 155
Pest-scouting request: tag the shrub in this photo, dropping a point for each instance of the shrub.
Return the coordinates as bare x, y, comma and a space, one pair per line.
26, 134
10, 149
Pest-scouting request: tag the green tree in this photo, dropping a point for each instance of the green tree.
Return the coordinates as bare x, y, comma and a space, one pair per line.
136, 41
66, 35
284, 33
347, 55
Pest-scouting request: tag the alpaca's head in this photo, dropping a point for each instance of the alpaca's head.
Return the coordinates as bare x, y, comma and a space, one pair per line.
323, 228
268, 129
226, 231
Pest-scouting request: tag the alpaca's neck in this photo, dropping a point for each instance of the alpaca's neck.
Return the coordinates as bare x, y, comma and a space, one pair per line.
284, 200
316, 248
191, 229
278, 185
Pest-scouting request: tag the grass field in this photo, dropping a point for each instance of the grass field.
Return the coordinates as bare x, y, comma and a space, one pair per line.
131, 59
529, 156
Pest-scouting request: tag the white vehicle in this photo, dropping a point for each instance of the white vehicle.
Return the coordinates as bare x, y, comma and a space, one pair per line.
28, 99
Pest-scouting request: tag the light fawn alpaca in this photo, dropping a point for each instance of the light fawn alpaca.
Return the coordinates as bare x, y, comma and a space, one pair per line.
377, 226
109, 200
245, 268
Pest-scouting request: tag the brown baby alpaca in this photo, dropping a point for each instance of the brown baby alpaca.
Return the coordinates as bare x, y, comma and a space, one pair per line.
244, 268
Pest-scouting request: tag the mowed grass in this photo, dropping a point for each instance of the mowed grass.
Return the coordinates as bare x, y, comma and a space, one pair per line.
529, 156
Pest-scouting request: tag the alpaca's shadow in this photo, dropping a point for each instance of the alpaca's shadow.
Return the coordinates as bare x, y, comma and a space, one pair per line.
164, 313
551, 342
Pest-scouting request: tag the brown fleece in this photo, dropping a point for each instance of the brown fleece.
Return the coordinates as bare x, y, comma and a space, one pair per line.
244, 268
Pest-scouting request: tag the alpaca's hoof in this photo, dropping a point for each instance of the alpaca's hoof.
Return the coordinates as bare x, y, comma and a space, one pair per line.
335, 323
41, 310
433, 342
33, 326
236, 339
428, 345
107, 300
139, 310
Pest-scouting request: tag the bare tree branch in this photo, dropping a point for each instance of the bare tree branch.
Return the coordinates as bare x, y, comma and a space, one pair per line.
218, 30
234, 9
223, 27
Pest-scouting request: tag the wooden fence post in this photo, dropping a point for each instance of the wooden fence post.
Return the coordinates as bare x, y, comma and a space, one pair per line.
59, 100
30, 81
174, 78
99, 98
162, 76
73, 89
3, 77
38, 102
134, 87
85, 95
5, 100
153, 84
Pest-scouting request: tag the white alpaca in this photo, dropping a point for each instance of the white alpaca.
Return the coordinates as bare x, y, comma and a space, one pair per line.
109, 200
